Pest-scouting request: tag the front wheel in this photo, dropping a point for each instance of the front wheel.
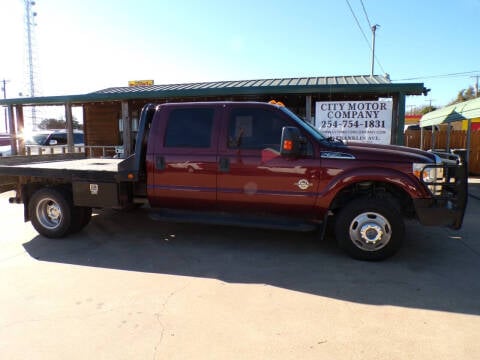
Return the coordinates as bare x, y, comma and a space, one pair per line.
51, 212
369, 229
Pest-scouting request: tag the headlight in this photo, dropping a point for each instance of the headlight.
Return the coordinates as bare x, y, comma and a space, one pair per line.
424, 172
429, 174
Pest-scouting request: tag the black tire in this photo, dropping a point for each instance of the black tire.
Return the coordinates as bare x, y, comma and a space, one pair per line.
51, 212
80, 218
369, 229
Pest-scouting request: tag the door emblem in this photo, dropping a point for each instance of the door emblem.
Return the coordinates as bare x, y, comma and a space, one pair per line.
303, 184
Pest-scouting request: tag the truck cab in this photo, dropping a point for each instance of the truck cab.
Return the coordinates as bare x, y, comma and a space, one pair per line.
226, 156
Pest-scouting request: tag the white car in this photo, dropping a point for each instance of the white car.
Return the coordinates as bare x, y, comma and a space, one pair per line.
54, 137
5, 150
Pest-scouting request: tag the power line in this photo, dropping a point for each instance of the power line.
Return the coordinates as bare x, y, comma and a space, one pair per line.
366, 15
363, 33
358, 24
460, 74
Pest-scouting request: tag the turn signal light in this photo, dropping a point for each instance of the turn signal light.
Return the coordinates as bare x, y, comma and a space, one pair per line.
274, 102
288, 145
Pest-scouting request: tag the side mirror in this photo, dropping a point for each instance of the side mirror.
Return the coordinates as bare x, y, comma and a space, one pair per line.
53, 142
291, 142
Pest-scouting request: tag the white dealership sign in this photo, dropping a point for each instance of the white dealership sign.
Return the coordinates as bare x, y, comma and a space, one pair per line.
364, 121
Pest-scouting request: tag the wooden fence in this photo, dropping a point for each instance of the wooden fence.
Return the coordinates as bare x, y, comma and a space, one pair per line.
458, 140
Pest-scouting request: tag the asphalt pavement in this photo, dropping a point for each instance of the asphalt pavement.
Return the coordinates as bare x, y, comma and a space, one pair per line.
128, 287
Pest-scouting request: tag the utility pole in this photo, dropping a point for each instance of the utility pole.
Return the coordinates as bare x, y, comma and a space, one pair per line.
411, 108
430, 102
31, 71
374, 29
4, 89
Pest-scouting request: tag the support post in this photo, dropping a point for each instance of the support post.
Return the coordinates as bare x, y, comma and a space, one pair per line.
469, 135
449, 129
13, 131
69, 126
433, 138
400, 119
20, 129
421, 138
127, 130
308, 108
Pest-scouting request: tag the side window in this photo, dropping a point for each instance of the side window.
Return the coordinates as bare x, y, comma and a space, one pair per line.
60, 137
255, 129
189, 128
78, 138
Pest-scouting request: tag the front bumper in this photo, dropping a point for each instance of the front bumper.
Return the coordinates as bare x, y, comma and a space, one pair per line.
447, 206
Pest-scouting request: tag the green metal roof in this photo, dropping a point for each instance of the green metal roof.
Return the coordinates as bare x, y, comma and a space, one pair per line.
306, 85
457, 112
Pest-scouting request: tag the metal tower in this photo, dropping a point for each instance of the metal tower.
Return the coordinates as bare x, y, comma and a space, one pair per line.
31, 57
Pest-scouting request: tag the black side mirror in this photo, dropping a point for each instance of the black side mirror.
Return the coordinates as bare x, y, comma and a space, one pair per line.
291, 142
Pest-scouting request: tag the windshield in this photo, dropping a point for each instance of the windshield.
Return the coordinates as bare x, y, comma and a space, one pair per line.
37, 139
312, 130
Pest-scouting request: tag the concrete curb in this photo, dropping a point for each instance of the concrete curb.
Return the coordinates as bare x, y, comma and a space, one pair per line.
474, 187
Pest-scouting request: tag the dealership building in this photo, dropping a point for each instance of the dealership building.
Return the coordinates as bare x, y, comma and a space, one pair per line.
359, 104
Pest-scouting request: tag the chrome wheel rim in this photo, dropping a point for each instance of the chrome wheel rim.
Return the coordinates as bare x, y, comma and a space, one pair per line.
370, 231
49, 213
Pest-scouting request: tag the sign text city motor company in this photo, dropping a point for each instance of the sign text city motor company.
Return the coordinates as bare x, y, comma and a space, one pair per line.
353, 110
366, 121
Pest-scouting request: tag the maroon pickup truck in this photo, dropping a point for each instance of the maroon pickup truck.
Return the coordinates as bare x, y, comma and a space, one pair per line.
248, 164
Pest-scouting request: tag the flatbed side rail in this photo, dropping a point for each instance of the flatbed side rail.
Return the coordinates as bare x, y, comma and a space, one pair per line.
88, 150
25, 159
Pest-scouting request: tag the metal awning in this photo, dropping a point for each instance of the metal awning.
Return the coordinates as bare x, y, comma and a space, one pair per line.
457, 112
466, 110
470, 109
355, 84
353, 87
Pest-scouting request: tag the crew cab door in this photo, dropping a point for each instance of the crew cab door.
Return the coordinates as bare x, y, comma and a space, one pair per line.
183, 163
253, 177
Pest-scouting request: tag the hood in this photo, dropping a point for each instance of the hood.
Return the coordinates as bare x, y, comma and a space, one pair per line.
391, 153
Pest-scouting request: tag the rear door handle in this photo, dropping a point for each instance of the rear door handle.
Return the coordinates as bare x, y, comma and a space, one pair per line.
159, 162
224, 164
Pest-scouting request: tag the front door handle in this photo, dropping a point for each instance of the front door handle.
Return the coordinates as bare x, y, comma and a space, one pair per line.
224, 164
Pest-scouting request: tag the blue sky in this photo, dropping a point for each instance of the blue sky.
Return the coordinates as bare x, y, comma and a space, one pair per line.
87, 45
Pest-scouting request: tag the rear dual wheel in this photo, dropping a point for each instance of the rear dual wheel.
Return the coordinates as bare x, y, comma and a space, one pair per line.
53, 215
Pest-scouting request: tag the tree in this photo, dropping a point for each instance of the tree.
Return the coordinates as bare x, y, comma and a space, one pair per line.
422, 110
464, 95
427, 109
51, 124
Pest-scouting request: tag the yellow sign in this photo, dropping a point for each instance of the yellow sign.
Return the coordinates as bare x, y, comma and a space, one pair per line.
140, 83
